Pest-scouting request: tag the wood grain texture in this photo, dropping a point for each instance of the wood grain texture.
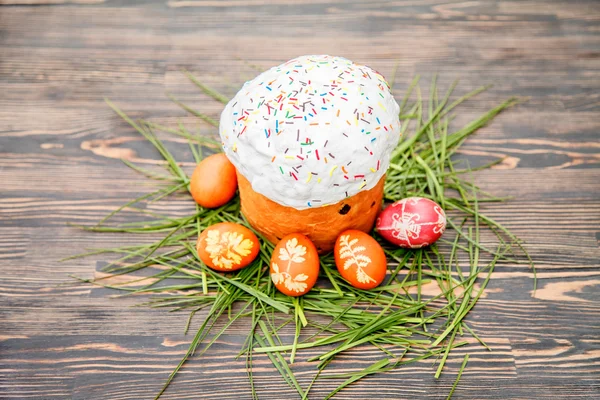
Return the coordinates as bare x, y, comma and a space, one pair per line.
60, 147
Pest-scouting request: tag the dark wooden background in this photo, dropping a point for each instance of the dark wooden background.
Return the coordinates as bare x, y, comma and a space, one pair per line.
60, 147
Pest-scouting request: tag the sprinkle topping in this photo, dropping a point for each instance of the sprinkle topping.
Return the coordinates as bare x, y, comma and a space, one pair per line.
313, 115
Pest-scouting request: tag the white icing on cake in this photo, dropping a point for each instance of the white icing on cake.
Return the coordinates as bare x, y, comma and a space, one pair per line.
312, 131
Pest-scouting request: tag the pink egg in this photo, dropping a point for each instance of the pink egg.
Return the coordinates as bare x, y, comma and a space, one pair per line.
412, 223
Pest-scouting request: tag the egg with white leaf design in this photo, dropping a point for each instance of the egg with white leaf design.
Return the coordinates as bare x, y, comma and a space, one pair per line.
294, 265
412, 223
360, 259
227, 247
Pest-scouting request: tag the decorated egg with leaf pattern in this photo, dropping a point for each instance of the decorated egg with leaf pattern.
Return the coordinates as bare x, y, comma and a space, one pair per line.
360, 259
295, 265
412, 223
227, 246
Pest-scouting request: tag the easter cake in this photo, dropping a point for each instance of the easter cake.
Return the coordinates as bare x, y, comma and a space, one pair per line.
311, 141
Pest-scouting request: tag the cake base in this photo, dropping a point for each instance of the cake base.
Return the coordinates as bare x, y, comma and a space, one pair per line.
321, 224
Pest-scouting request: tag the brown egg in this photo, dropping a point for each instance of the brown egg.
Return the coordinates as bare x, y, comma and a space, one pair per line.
295, 265
360, 259
227, 246
214, 181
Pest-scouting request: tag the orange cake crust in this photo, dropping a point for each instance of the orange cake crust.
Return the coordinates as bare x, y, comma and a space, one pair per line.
321, 224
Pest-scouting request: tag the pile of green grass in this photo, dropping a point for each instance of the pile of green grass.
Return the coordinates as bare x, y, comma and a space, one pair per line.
397, 319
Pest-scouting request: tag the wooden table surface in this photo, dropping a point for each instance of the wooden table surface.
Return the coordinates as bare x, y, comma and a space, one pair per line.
60, 150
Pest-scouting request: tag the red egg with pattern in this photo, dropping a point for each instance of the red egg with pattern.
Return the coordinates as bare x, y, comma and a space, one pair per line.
412, 223
360, 259
295, 265
227, 246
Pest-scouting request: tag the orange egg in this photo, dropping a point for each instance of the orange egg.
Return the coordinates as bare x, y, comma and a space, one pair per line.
294, 265
227, 246
360, 259
214, 181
